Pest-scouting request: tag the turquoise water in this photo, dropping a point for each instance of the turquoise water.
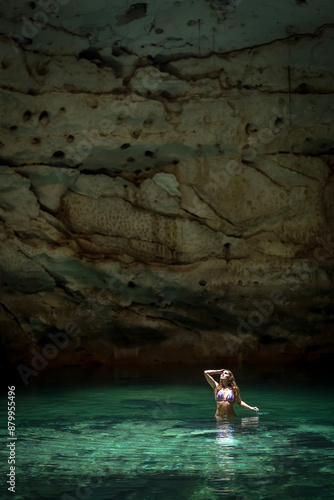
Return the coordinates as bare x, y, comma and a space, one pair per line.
155, 438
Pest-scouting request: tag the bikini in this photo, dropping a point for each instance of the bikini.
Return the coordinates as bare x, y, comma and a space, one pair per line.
229, 396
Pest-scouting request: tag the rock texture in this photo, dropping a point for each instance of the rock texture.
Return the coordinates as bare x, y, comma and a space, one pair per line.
166, 182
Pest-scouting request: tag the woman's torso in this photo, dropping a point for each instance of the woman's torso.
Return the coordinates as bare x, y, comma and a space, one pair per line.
225, 400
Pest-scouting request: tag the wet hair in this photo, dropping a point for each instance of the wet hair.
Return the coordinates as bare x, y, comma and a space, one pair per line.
231, 384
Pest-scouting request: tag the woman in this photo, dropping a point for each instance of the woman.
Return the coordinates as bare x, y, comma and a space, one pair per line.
226, 393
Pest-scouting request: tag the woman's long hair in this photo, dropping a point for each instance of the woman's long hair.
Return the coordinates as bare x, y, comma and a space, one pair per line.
231, 384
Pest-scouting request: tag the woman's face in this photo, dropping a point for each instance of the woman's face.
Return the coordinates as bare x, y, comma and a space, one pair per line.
225, 375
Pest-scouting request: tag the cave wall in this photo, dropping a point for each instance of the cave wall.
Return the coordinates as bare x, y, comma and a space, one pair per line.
166, 182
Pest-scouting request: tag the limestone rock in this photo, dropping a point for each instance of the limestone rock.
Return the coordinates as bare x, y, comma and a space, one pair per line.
16, 197
49, 183
20, 273
166, 181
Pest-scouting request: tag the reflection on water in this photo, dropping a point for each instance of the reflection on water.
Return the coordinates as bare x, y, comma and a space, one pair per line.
228, 438
155, 441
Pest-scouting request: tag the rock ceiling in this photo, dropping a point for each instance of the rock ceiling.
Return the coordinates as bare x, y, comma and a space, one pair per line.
166, 179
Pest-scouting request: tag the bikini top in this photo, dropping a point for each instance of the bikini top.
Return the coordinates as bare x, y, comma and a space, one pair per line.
229, 396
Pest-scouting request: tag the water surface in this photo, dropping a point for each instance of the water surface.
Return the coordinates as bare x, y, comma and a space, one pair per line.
156, 438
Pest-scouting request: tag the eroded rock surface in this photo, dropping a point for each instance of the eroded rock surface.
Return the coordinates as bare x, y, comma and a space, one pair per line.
166, 195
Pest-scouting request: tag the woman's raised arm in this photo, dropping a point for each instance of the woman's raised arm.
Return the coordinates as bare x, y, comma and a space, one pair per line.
209, 379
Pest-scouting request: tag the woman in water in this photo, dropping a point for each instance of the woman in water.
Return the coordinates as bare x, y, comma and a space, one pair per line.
226, 393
